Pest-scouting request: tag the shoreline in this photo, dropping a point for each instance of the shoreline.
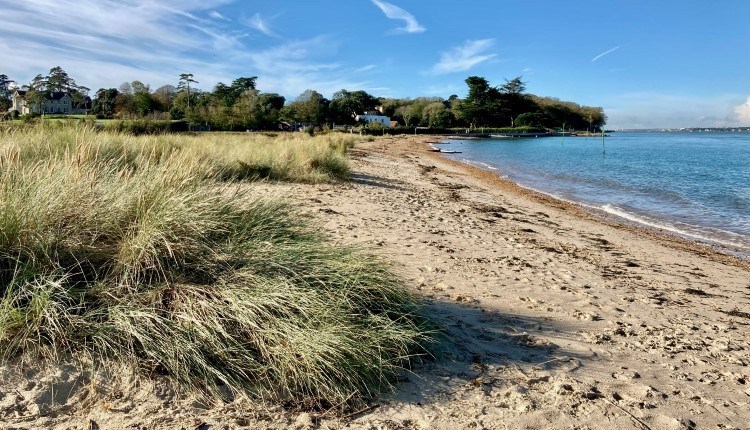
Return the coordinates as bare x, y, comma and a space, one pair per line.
715, 251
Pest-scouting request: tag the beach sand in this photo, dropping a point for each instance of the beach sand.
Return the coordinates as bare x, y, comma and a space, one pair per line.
554, 317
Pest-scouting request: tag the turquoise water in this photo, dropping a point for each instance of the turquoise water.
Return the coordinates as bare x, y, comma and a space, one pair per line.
693, 184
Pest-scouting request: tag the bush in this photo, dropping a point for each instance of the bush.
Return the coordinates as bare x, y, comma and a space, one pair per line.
534, 120
146, 126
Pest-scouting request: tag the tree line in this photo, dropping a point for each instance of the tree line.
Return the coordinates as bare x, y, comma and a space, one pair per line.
240, 105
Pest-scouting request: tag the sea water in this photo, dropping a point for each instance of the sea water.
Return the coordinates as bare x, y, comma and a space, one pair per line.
695, 184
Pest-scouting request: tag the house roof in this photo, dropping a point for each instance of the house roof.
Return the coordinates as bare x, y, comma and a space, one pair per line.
57, 95
52, 96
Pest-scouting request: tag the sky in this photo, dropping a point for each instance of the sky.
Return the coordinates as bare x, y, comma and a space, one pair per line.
649, 64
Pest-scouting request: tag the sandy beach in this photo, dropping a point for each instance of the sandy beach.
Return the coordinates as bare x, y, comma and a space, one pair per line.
554, 317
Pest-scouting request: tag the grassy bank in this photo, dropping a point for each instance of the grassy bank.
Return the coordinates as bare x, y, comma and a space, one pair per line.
288, 157
116, 249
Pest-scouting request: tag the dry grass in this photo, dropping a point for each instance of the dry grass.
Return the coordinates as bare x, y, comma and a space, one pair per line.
290, 157
116, 249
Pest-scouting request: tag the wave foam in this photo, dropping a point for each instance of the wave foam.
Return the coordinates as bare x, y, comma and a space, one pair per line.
617, 211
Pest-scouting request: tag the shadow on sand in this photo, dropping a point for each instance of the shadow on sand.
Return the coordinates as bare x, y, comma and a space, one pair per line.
374, 181
484, 350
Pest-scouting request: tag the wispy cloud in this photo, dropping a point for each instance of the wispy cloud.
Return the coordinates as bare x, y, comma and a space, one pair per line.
151, 41
364, 68
606, 53
140, 39
293, 67
394, 12
258, 23
464, 57
216, 15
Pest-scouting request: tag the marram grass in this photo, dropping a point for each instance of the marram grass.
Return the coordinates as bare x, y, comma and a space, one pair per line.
292, 157
119, 250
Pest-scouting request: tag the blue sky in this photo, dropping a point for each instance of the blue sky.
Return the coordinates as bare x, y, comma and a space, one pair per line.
648, 63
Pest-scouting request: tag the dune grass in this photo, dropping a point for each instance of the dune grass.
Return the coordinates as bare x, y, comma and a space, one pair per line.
136, 250
229, 156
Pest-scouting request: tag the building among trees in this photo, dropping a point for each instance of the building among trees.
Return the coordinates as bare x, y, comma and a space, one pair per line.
52, 103
374, 117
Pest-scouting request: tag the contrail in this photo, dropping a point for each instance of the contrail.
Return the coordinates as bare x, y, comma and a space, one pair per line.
605, 53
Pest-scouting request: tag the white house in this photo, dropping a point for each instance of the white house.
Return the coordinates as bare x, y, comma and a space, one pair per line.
374, 116
56, 102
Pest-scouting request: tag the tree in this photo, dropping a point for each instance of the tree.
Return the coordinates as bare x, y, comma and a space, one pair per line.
140, 87
269, 107
125, 88
309, 107
481, 104
242, 84
514, 101
125, 105
227, 95
531, 119
257, 110
37, 92
390, 106
436, 115
104, 102
59, 81
5, 93
595, 117
223, 94
345, 105
514, 86
185, 80
164, 96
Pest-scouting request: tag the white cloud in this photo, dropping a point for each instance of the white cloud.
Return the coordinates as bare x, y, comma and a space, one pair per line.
288, 69
743, 113
366, 68
464, 57
445, 90
216, 15
258, 23
102, 43
394, 12
606, 53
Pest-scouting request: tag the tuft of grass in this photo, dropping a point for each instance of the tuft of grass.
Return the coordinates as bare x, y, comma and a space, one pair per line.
122, 250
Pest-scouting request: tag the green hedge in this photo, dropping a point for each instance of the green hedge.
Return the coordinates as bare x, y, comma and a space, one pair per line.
143, 126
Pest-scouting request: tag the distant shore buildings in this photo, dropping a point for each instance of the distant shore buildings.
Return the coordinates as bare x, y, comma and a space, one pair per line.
374, 117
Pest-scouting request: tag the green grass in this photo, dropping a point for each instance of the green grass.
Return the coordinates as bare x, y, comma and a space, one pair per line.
115, 249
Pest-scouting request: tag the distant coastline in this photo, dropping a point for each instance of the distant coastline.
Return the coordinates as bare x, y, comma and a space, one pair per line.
684, 130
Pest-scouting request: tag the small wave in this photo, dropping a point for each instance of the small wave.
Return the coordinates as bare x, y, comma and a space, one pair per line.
479, 164
741, 243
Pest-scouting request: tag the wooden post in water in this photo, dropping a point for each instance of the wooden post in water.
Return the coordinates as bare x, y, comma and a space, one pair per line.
604, 151
563, 136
